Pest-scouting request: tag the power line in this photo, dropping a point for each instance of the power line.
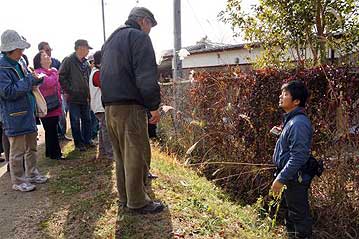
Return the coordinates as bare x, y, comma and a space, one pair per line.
195, 16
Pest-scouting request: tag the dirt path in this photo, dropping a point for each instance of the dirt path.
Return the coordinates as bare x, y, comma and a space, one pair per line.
20, 211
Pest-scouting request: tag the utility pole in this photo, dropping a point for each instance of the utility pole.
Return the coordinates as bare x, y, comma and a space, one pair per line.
176, 62
103, 20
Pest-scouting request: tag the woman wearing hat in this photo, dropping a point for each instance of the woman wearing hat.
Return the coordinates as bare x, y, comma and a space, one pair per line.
17, 109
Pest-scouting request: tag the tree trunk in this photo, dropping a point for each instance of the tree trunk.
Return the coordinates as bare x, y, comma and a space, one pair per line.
312, 48
320, 23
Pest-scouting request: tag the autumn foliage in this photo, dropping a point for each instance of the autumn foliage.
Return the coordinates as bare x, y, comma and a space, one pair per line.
223, 127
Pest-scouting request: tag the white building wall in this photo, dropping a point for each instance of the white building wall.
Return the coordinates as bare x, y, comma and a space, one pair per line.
237, 56
228, 57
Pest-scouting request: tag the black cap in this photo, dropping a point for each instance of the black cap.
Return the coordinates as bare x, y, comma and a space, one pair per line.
82, 42
143, 12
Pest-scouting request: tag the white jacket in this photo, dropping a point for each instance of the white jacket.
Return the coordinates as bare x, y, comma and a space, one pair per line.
95, 93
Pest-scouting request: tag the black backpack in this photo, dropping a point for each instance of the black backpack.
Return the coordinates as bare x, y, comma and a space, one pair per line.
314, 167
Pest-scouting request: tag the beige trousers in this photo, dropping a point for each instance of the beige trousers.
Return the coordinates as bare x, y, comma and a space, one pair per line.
23, 148
127, 128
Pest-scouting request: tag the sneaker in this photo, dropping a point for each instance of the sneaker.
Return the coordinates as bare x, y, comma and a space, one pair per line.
38, 179
24, 187
152, 207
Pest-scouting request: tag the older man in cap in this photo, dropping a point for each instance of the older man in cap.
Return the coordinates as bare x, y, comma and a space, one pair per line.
17, 107
129, 88
74, 77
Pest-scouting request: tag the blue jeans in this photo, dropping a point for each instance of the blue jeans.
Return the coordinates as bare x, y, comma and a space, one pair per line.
80, 123
94, 125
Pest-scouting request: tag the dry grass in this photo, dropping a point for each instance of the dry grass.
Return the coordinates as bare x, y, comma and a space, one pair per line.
83, 204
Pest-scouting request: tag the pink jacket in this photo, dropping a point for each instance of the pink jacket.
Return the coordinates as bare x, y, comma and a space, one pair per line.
50, 85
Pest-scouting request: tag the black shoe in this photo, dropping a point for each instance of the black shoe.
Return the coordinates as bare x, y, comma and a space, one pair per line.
2, 160
90, 145
151, 176
122, 205
60, 158
80, 148
152, 207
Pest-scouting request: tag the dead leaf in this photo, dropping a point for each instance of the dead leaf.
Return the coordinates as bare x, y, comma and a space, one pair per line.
183, 183
189, 151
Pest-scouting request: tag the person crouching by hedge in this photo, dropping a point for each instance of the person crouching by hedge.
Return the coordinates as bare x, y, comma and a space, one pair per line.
17, 108
291, 155
51, 90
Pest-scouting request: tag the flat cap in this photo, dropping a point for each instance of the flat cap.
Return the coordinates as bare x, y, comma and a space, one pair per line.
82, 42
143, 12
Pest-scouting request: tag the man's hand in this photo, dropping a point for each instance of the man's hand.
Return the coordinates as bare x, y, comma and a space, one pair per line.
276, 130
276, 188
155, 117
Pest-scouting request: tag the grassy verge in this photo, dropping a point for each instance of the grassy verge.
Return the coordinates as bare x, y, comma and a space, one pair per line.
83, 199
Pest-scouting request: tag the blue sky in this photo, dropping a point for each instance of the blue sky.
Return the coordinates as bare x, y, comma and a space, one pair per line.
62, 22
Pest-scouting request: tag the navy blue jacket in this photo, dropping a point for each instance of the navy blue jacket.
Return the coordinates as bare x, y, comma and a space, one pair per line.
16, 108
292, 150
55, 63
129, 69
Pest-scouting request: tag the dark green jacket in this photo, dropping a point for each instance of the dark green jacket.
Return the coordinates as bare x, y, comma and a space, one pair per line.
73, 81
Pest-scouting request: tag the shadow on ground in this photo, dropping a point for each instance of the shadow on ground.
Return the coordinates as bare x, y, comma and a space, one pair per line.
149, 226
84, 202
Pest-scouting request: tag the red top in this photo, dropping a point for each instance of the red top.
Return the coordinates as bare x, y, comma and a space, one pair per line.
96, 79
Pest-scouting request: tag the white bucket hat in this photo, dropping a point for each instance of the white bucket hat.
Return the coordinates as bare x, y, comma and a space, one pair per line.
11, 40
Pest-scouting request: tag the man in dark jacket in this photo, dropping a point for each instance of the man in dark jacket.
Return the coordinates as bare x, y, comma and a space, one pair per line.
290, 156
74, 76
129, 87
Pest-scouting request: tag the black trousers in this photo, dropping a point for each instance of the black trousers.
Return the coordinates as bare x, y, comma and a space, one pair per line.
298, 219
53, 149
152, 130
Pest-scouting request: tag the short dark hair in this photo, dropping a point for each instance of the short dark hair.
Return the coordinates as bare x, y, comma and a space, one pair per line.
26, 59
42, 45
297, 90
97, 58
37, 61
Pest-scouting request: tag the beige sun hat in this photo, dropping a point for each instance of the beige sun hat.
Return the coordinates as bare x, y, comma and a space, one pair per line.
11, 40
